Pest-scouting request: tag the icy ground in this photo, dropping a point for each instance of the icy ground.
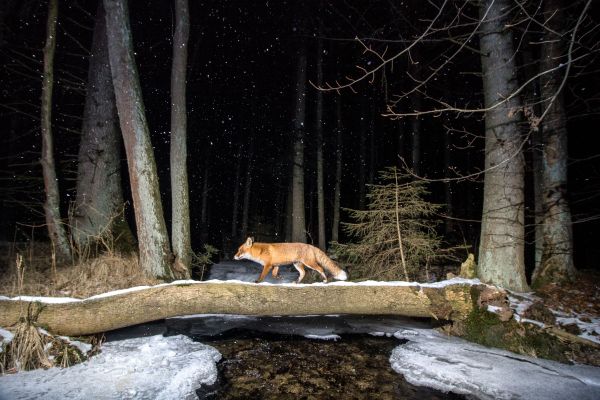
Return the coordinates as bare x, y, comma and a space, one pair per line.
173, 367
452, 364
154, 367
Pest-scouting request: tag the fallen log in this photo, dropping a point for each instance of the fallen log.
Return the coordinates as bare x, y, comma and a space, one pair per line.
452, 300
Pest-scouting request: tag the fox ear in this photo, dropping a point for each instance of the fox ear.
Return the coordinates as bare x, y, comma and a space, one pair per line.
249, 241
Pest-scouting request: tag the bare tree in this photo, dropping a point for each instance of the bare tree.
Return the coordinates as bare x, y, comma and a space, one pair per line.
99, 200
56, 230
180, 209
155, 253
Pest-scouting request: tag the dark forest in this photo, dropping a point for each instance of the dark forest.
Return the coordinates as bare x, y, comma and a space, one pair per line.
161, 160
402, 83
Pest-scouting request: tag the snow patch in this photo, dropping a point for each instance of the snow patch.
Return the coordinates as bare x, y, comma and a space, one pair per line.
81, 346
335, 338
54, 300
7, 337
451, 364
154, 367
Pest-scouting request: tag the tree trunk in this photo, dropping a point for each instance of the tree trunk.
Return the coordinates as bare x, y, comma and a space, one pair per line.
180, 199
56, 230
451, 302
362, 157
247, 188
501, 251
416, 103
557, 258
204, 203
449, 222
236, 196
319, 132
99, 192
155, 253
298, 212
335, 230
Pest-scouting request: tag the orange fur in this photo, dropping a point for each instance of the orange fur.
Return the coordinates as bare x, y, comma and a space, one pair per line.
272, 255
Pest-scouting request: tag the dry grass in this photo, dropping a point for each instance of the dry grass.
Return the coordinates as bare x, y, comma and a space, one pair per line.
29, 270
27, 349
31, 273
33, 348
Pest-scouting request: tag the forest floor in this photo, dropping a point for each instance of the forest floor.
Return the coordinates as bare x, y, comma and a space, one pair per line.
581, 296
573, 307
28, 270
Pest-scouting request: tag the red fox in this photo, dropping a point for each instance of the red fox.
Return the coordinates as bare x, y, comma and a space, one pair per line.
272, 255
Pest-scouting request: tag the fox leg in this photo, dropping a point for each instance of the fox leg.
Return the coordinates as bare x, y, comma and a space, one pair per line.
300, 269
275, 272
319, 269
264, 273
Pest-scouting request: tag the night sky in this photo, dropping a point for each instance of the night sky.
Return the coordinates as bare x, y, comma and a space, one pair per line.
241, 72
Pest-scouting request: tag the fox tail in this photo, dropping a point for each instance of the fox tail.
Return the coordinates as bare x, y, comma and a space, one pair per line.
329, 265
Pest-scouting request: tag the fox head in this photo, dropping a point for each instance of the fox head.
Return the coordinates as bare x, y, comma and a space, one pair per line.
242, 252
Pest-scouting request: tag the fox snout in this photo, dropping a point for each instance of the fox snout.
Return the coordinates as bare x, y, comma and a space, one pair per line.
239, 255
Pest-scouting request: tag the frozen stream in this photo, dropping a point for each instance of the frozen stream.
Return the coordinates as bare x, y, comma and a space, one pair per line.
310, 357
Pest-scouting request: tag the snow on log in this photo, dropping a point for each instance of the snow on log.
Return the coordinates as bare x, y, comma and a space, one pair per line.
450, 300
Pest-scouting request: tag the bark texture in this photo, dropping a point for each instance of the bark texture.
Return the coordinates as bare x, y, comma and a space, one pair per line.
94, 315
247, 189
56, 229
298, 213
180, 199
337, 194
319, 132
155, 254
99, 192
556, 263
501, 251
